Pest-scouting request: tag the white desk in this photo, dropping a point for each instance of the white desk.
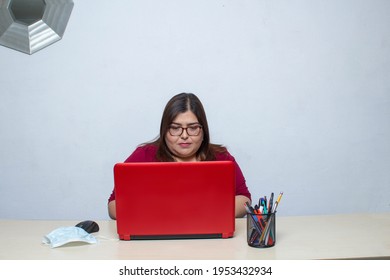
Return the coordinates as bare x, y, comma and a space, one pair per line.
303, 237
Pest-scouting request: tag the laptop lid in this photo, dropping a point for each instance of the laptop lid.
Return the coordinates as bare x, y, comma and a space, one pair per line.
162, 200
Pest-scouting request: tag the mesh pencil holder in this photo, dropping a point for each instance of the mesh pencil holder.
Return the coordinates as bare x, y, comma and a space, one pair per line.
261, 230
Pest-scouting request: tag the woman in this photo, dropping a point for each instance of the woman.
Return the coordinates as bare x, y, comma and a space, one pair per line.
184, 136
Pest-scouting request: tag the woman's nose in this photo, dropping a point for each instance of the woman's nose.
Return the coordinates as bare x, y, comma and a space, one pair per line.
184, 134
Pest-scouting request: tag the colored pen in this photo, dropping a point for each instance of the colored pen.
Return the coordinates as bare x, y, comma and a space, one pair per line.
256, 223
259, 225
265, 211
277, 201
279, 197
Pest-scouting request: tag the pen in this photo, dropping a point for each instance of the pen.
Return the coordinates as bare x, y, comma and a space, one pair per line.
254, 235
259, 226
264, 206
256, 223
271, 200
249, 208
279, 197
265, 231
269, 235
277, 201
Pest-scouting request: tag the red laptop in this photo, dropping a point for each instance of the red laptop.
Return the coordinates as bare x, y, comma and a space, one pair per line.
165, 200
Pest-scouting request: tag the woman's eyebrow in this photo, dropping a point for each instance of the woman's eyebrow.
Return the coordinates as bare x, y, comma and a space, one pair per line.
192, 123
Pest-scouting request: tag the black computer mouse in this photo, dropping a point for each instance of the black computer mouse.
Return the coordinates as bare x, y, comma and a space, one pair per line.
89, 226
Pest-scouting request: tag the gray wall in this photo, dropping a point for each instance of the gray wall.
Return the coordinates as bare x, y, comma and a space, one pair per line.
299, 91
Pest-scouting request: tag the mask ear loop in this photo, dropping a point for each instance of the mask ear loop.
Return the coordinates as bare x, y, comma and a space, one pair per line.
105, 238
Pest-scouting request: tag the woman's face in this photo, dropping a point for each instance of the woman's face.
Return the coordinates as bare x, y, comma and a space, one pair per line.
184, 146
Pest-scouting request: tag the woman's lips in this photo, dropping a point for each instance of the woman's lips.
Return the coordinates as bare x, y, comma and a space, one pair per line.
184, 145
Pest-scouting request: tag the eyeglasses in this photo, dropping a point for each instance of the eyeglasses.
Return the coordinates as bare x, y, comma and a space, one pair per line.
192, 130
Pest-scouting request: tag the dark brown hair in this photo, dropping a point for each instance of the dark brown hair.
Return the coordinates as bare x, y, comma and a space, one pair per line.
178, 104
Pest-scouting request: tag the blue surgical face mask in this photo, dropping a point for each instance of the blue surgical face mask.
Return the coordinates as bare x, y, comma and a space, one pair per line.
64, 235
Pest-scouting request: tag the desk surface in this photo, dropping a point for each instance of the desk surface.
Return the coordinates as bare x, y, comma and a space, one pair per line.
346, 236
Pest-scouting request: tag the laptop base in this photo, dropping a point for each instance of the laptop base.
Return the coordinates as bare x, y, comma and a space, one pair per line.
176, 236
